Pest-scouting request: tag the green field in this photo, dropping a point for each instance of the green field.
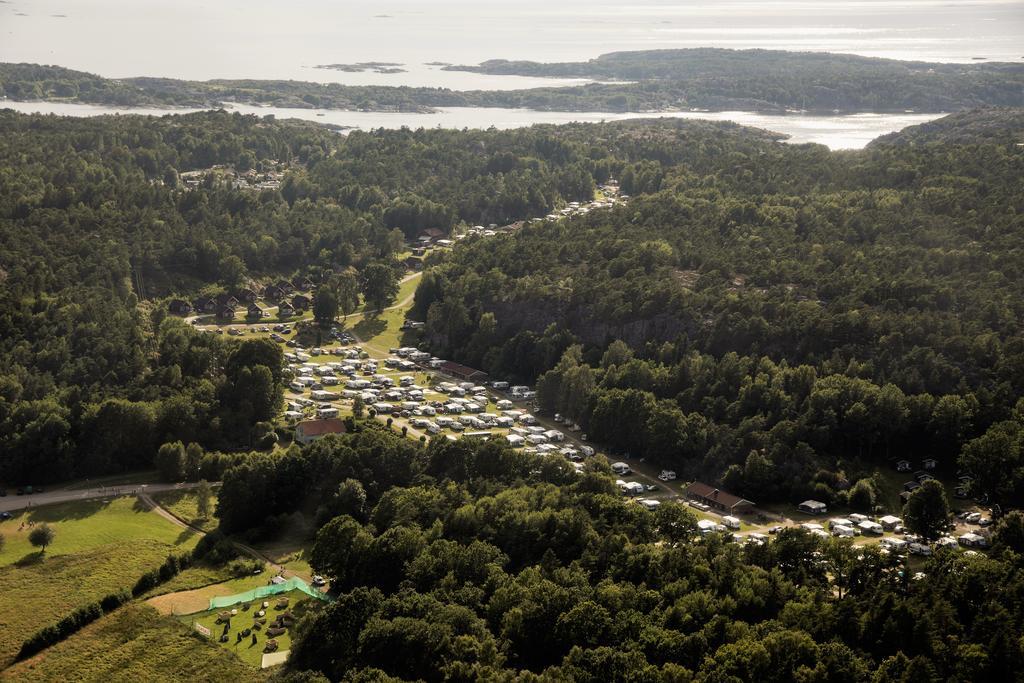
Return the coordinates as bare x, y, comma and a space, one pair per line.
189, 579
246, 651
405, 291
133, 644
100, 548
83, 525
182, 504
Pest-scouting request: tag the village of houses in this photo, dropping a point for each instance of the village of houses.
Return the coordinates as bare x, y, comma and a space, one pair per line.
429, 397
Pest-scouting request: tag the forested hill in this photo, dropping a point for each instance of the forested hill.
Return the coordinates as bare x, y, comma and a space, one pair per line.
713, 79
772, 79
781, 298
103, 219
998, 126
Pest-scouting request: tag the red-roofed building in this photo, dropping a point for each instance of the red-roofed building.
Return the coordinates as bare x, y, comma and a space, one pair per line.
720, 500
311, 430
462, 372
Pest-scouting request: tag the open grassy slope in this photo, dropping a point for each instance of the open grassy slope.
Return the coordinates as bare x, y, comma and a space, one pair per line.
133, 644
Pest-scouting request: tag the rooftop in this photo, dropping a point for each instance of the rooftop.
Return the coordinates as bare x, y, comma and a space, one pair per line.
702, 490
321, 427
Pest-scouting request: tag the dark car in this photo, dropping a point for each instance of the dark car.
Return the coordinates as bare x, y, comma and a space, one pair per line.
5, 515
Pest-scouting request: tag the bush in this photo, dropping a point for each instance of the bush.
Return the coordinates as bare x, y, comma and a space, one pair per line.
171, 567
215, 548
244, 567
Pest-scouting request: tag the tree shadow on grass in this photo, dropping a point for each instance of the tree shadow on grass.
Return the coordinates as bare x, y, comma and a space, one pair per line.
62, 512
185, 535
30, 560
368, 328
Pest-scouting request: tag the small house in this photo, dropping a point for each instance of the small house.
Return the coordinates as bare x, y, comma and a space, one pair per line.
302, 284
285, 310
249, 295
256, 312
273, 293
911, 486
930, 463
301, 302
414, 264
227, 300
226, 313
179, 307
716, 498
903, 466
311, 430
204, 304
813, 507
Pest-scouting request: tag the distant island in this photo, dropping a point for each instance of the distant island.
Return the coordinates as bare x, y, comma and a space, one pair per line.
763, 81
362, 67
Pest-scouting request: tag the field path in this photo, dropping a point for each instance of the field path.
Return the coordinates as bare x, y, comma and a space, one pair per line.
243, 548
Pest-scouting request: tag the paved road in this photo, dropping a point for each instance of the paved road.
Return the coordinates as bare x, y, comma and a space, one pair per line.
13, 502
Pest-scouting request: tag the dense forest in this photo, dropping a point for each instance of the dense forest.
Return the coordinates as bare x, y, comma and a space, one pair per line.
97, 229
470, 561
779, 318
712, 79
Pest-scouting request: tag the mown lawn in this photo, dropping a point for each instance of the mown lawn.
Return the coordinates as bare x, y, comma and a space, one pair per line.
84, 525
251, 654
381, 331
183, 504
135, 643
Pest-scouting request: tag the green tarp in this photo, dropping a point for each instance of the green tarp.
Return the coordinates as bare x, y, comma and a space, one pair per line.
294, 583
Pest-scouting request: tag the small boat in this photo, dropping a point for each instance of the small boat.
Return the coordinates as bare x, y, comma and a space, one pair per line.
320, 114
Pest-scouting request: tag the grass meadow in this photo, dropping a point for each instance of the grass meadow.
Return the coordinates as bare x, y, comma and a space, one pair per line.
100, 548
135, 643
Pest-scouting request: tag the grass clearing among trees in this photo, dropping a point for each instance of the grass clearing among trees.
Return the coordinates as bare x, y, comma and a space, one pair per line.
134, 643
85, 525
245, 649
184, 505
